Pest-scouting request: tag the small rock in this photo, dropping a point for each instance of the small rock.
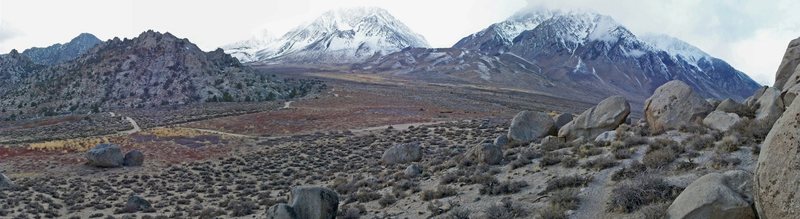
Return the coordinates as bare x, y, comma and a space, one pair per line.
552, 140
530, 126
5, 182
402, 153
721, 121
281, 211
136, 203
133, 158
486, 153
608, 136
501, 140
105, 155
730, 106
413, 170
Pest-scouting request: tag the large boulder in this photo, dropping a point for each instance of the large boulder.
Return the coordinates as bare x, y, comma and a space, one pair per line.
310, 202
716, 196
752, 100
730, 106
674, 105
133, 158
105, 155
788, 65
402, 153
5, 182
563, 119
486, 153
529, 126
606, 116
776, 172
770, 106
721, 121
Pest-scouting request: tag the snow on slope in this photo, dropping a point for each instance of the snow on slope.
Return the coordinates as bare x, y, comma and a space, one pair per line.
245, 50
676, 48
338, 36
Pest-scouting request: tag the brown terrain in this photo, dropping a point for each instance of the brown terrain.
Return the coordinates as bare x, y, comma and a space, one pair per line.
238, 159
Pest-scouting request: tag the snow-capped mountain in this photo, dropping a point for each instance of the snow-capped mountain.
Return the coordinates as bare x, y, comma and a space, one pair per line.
245, 50
589, 49
338, 36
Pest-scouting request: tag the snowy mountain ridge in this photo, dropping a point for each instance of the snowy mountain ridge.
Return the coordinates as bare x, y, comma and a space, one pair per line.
338, 36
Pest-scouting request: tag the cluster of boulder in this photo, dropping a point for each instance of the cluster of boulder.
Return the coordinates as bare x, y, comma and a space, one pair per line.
307, 202
772, 193
110, 156
529, 126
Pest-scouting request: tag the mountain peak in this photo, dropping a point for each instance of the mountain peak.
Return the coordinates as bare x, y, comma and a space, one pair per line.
60, 53
346, 35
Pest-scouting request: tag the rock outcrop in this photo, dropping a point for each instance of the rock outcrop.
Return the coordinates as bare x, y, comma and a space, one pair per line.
307, 202
674, 105
721, 121
716, 196
770, 106
402, 153
105, 155
606, 116
789, 63
530, 126
776, 173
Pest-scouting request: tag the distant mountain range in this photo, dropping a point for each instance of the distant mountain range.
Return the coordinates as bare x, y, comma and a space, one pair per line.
153, 69
335, 37
580, 55
582, 52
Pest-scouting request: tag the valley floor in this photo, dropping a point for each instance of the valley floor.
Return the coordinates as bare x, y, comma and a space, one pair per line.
239, 164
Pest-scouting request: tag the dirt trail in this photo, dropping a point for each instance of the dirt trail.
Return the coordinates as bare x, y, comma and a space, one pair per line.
135, 125
222, 133
596, 194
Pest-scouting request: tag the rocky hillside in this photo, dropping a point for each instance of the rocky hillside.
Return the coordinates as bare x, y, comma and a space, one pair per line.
60, 53
339, 36
14, 67
594, 50
150, 70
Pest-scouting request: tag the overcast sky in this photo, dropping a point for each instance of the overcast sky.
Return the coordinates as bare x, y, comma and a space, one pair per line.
750, 34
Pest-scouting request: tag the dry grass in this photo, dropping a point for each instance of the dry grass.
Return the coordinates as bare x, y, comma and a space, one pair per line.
79, 144
633, 194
